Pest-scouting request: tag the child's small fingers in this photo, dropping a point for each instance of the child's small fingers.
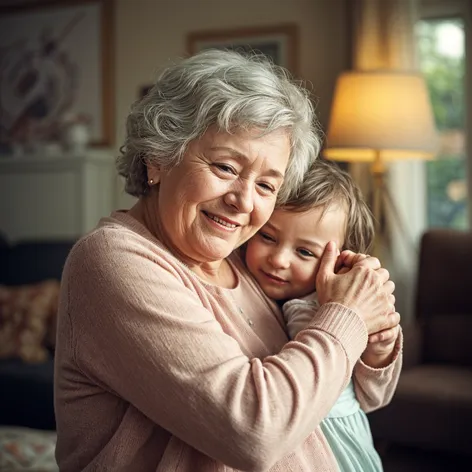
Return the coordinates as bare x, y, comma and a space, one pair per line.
396, 332
384, 336
348, 258
375, 338
367, 261
359, 257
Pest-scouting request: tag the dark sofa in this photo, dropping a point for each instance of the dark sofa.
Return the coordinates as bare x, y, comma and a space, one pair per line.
26, 390
432, 406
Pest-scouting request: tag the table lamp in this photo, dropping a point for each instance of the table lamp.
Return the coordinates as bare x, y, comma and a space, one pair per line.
381, 116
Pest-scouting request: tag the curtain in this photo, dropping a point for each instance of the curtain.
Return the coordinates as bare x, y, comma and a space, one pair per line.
384, 34
383, 38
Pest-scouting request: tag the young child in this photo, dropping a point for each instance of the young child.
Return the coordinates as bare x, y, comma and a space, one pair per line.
284, 256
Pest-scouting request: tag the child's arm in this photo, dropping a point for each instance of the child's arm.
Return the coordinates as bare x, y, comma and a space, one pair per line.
298, 313
375, 386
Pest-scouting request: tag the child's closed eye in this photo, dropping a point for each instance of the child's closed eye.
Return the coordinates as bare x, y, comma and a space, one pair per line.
266, 237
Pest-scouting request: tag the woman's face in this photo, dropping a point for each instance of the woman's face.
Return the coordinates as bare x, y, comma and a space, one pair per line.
221, 193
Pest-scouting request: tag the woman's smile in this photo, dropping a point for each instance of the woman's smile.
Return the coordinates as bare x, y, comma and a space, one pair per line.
221, 222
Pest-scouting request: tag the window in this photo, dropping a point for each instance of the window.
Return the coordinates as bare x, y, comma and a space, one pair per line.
441, 51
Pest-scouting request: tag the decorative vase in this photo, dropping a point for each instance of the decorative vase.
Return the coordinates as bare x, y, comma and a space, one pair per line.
77, 137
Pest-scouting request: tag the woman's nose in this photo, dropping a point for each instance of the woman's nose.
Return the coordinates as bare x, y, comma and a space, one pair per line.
280, 259
241, 196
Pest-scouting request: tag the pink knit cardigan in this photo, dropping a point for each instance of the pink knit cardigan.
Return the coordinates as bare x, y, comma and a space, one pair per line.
157, 370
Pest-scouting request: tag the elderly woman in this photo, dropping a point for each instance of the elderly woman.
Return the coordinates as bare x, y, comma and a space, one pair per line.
169, 357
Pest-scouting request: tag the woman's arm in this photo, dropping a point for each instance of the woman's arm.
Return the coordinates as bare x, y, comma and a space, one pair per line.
374, 387
139, 331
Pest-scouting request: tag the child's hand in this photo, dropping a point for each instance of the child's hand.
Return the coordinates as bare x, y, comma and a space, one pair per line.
380, 348
347, 259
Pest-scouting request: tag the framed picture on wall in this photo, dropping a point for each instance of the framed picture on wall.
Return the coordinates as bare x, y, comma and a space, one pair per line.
280, 42
56, 62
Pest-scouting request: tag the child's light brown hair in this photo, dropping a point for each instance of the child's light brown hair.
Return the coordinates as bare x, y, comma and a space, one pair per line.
326, 184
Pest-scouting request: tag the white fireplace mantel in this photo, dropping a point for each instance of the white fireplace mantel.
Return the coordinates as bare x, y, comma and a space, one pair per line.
55, 197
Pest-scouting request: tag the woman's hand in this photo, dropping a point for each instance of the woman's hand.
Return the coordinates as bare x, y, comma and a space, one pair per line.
365, 287
347, 259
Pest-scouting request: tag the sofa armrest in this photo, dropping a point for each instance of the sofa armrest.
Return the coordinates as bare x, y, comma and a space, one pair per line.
412, 344
27, 394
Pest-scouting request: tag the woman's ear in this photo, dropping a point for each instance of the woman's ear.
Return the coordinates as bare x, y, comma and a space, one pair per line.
153, 174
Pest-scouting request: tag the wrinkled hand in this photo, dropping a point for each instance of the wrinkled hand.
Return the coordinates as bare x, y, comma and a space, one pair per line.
347, 259
360, 284
379, 351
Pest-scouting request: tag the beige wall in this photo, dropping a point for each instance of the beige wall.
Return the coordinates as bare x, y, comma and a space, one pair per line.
150, 32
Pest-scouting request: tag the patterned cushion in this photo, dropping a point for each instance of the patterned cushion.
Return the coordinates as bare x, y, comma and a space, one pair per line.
27, 316
23, 449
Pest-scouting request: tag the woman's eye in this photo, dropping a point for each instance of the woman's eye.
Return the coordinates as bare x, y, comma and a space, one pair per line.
305, 253
266, 237
266, 187
225, 168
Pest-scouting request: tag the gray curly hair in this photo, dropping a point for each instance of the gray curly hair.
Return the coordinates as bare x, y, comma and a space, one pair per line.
223, 88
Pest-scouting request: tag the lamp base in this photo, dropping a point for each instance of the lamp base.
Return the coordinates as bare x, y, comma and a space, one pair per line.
383, 202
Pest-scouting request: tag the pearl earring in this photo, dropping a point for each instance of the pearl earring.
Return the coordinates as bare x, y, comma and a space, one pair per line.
150, 182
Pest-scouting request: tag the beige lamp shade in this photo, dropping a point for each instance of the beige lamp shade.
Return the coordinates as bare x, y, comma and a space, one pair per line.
381, 114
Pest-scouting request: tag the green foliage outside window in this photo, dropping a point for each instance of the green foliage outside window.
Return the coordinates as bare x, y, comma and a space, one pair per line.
443, 211
442, 62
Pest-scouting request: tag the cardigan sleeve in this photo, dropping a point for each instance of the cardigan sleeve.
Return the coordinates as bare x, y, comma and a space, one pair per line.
141, 334
374, 387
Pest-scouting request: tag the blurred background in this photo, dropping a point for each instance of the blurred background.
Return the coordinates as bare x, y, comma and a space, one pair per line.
69, 72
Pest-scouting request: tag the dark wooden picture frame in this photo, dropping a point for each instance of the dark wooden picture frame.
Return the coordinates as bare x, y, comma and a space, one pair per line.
279, 42
58, 34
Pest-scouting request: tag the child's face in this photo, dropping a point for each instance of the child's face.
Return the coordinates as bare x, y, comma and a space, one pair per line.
284, 255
